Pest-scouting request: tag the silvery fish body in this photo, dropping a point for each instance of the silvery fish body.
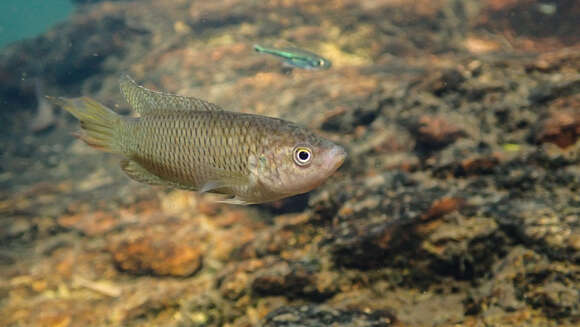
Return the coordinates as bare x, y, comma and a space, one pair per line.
297, 57
192, 144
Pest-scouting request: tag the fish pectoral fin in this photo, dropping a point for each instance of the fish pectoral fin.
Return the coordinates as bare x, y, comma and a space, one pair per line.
136, 172
221, 179
144, 100
224, 181
214, 185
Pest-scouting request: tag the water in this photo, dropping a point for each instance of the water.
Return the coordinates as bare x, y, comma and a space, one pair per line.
457, 204
25, 19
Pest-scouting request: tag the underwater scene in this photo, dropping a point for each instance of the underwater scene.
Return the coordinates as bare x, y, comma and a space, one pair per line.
290, 163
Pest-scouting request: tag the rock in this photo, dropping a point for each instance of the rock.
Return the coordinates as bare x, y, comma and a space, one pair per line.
346, 121
444, 82
522, 19
234, 280
57, 312
159, 254
292, 280
6, 259
552, 90
550, 228
465, 250
561, 127
92, 223
312, 315
474, 166
158, 301
206, 310
393, 224
526, 277
434, 133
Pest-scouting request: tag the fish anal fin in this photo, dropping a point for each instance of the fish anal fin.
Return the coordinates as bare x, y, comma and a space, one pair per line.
144, 100
136, 172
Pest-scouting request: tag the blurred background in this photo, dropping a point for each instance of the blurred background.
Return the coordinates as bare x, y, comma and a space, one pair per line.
458, 203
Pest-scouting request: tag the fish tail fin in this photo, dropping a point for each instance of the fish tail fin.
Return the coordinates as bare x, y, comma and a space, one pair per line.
272, 51
99, 124
259, 48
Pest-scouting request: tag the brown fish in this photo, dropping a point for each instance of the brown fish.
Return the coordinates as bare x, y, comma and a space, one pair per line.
191, 144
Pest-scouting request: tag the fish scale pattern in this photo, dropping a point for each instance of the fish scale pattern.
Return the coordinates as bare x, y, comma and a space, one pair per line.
193, 147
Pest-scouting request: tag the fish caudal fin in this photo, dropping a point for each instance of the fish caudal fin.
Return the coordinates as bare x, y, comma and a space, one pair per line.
261, 49
99, 124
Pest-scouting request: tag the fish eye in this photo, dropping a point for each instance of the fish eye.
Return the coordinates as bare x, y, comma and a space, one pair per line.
302, 155
321, 62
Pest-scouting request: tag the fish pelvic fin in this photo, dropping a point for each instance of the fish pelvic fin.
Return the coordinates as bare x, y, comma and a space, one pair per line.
99, 124
235, 200
144, 100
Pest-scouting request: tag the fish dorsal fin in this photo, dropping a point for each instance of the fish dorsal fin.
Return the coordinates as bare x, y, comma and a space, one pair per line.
144, 100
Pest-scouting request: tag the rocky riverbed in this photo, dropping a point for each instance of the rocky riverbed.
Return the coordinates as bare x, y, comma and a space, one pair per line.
459, 202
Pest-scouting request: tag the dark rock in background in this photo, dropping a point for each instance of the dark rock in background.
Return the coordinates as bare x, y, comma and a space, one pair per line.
313, 316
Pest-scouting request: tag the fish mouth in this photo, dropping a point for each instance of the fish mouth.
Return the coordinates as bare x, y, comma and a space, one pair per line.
336, 157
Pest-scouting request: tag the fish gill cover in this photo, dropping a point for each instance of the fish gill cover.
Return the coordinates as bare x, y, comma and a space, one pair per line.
458, 203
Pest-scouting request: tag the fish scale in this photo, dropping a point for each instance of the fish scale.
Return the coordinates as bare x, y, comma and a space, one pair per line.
182, 155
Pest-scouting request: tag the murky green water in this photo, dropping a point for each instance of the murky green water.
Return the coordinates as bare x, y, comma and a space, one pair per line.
23, 19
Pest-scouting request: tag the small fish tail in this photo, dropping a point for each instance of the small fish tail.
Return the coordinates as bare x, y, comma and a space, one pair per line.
275, 52
259, 48
99, 124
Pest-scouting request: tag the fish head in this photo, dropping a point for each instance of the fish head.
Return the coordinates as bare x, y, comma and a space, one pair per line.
314, 63
323, 63
300, 163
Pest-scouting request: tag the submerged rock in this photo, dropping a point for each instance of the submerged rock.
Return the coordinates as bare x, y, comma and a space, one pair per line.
524, 278
161, 257
313, 316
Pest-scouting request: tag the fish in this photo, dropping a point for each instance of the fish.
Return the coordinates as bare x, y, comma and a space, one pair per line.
189, 143
297, 57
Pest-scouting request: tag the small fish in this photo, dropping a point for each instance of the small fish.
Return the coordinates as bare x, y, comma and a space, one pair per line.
191, 144
297, 57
